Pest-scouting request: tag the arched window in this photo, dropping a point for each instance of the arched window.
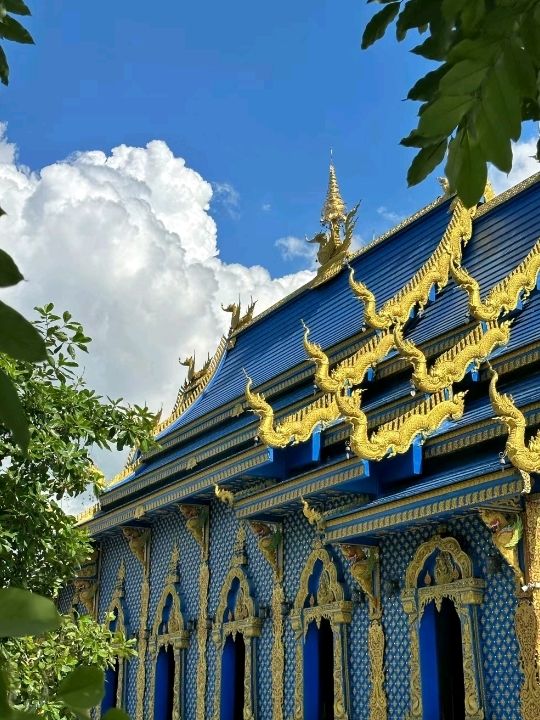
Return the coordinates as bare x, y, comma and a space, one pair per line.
319, 619
167, 644
115, 676
236, 628
441, 597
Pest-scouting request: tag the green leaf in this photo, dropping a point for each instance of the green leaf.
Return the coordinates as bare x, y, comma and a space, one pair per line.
9, 272
25, 613
466, 168
472, 14
10, 29
500, 98
82, 689
17, 7
115, 714
4, 67
427, 86
435, 47
18, 337
415, 14
376, 27
413, 139
442, 115
12, 414
464, 78
426, 161
520, 69
451, 8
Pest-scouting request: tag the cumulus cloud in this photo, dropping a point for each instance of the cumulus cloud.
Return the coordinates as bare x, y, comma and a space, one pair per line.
228, 197
389, 215
524, 165
292, 248
125, 241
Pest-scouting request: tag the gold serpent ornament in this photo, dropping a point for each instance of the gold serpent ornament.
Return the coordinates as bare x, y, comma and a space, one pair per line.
353, 369
397, 436
434, 273
452, 365
505, 295
295, 428
526, 458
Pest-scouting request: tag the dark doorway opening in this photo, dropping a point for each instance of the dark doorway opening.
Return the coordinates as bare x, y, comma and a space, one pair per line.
319, 672
443, 687
165, 673
111, 687
233, 677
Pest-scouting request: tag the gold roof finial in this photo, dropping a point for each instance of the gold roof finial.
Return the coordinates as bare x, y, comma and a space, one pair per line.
334, 207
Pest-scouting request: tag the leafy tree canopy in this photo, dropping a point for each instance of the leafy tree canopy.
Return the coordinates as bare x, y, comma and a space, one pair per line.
484, 86
11, 29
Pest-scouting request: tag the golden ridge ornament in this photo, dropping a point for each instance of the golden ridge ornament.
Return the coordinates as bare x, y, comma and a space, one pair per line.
504, 296
506, 532
526, 458
452, 365
397, 436
225, 496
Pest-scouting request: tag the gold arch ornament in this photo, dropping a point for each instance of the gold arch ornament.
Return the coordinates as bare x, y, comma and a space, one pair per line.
175, 635
454, 581
329, 603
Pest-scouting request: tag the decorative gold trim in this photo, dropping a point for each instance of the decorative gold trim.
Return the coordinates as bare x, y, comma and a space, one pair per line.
397, 436
270, 543
314, 517
87, 514
224, 496
506, 532
434, 273
294, 428
504, 296
527, 619
238, 321
453, 580
117, 604
329, 602
243, 619
452, 365
138, 539
86, 585
526, 458
174, 634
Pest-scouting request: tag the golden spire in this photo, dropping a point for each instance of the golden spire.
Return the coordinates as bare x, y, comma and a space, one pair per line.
334, 207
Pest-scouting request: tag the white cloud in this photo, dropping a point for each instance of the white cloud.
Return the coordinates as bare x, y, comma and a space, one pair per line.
126, 243
390, 215
228, 197
524, 165
292, 248
266, 207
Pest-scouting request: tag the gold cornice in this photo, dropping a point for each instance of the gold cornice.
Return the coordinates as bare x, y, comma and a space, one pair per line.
363, 522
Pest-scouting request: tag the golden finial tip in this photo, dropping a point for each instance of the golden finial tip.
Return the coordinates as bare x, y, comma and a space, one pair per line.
334, 207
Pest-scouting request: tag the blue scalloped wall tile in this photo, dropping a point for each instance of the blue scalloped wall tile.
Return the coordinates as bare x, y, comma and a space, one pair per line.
500, 652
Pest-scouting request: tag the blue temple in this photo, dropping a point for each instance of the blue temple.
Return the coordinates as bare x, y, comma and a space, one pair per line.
303, 551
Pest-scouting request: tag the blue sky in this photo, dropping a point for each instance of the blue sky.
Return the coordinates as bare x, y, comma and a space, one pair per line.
252, 95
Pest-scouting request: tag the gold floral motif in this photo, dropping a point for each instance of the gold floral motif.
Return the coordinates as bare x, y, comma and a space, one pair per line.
202, 639
363, 563
224, 496
397, 436
504, 296
313, 516
526, 458
337, 611
351, 371
270, 543
86, 584
138, 539
196, 517
378, 703
451, 366
434, 273
277, 664
295, 428
506, 532
466, 592
142, 647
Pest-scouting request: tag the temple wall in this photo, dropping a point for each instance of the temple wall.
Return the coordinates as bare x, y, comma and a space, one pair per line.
500, 654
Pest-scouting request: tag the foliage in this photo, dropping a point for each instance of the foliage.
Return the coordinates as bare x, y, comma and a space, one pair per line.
485, 86
11, 29
40, 547
60, 675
